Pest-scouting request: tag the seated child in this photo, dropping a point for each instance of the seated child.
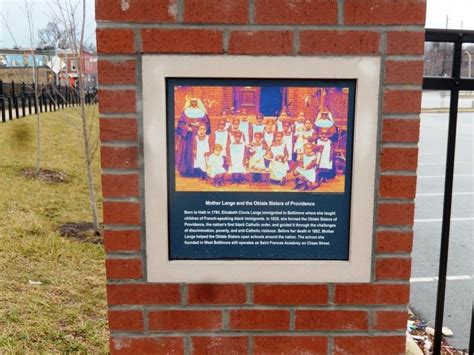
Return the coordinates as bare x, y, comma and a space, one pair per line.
278, 159
215, 165
257, 151
200, 148
258, 126
221, 136
305, 173
236, 153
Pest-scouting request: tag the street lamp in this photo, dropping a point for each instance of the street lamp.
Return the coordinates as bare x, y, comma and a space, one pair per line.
469, 67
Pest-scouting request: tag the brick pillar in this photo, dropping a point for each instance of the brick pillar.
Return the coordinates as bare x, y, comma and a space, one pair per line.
258, 318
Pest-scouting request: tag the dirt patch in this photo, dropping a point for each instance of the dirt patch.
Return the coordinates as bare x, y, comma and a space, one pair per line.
45, 175
81, 231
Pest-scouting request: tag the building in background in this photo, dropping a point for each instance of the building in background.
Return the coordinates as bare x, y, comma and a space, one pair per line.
16, 65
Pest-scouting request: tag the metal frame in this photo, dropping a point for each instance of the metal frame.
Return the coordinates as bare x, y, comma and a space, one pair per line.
454, 84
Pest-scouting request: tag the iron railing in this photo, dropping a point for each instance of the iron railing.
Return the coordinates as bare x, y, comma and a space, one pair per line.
454, 84
19, 99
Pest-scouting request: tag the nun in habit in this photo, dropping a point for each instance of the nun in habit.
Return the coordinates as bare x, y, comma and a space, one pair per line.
194, 115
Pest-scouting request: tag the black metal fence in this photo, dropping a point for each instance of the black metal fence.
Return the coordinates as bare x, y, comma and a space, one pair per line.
454, 84
19, 99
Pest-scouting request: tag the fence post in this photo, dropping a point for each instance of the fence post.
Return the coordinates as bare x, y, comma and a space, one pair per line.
23, 95
2, 102
15, 100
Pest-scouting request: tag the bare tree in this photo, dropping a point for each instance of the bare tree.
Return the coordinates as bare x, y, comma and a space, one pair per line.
53, 36
28, 9
71, 17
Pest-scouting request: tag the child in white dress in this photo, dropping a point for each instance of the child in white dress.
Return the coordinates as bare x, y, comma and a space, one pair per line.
221, 136
244, 127
200, 149
237, 157
215, 165
306, 172
269, 132
278, 159
257, 151
289, 140
299, 123
326, 165
258, 126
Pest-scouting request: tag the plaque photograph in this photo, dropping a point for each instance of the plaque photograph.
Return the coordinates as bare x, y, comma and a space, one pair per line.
259, 168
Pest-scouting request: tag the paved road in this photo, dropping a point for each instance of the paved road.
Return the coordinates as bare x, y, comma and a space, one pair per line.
429, 204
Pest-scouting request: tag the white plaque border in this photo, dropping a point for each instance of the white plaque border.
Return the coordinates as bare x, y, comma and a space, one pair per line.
156, 68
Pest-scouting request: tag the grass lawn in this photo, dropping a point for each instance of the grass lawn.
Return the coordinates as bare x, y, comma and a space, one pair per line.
67, 311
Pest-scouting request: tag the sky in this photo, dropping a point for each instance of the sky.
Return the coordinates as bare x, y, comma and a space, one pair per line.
459, 14
12, 12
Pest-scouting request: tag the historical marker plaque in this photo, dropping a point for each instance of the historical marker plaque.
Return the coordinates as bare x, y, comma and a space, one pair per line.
259, 169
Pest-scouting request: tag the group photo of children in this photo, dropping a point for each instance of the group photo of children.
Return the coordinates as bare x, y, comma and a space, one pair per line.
233, 140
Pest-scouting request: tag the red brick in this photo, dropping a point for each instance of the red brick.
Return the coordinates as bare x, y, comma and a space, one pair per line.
216, 11
217, 294
120, 185
117, 72
393, 268
332, 320
399, 130
118, 129
402, 101
261, 42
396, 186
118, 157
339, 42
220, 345
371, 294
121, 212
394, 214
124, 268
399, 159
142, 345
125, 320
391, 320
185, 320
143, 294
387, 12
394, 242
376, 345
290, 345
406, 43
128, 240
182, 41
260, 319
316, 12
409, 72
115, 41
136, 10
113, 101
290, 294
